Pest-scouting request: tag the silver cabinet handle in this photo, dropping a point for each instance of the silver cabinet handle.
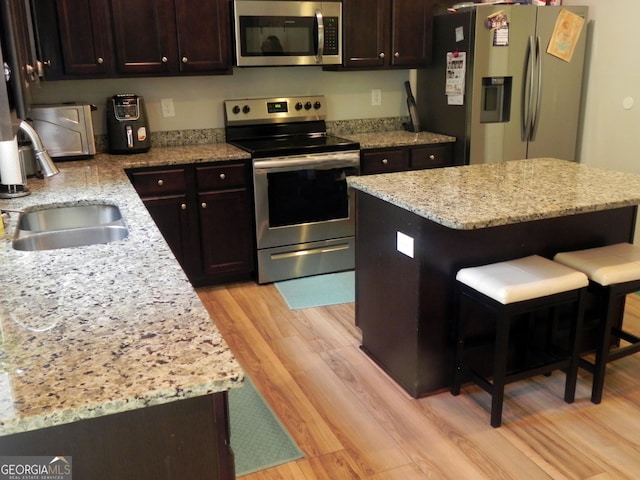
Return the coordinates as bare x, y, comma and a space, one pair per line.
222, 176
432, 157
397, 54
385, 161
203, 204
183, 206
160, 183
164, 59
185, 60
100, 60
381, 55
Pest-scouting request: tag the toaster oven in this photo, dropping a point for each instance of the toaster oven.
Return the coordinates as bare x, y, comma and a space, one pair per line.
66, 129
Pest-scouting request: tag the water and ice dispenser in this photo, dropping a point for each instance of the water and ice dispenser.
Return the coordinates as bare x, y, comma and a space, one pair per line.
496, 99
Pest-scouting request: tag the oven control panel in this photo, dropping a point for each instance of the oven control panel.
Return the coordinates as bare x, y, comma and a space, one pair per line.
274, 110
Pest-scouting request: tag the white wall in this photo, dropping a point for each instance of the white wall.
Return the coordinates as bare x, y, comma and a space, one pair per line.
198, 100
610, 133
610, 136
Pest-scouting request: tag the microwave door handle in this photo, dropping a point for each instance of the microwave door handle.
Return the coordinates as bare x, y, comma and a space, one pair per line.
320, 22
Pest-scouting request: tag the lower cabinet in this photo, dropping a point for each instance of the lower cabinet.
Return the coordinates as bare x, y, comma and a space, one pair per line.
204, 213
225, 219
187, 439
399, 159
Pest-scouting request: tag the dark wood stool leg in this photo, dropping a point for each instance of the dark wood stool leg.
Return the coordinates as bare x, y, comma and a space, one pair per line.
576, 336
500, 368
602, 352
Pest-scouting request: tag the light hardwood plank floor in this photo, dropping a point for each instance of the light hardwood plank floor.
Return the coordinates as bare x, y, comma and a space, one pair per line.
353, 422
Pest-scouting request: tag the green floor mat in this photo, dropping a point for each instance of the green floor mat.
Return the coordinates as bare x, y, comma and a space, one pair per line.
258, 438
319, 290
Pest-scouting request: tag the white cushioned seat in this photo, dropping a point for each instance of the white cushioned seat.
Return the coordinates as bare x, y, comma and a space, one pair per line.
608, 265
522, 279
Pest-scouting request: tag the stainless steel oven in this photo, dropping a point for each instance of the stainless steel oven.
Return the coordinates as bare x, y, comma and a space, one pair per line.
274, 32
304, 215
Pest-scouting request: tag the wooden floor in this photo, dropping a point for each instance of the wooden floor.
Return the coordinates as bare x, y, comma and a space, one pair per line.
353, 422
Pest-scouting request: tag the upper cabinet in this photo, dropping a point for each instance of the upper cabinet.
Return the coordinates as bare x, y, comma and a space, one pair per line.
387, 33
112, 38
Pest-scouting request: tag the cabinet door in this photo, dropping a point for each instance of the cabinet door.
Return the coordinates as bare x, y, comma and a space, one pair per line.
366, 33
170, 213
412, 32
85, 40
144, 35
202, 35
226, 232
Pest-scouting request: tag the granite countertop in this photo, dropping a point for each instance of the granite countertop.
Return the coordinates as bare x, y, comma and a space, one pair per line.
102, 329
397, 138
486, 195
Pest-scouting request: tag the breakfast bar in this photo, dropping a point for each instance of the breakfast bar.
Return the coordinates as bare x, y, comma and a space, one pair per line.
416, 229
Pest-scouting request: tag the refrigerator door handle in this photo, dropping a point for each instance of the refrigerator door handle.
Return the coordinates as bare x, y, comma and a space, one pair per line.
536, 110
527, 92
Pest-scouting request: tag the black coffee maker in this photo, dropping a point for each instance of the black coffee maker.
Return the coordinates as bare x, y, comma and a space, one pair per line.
127, 124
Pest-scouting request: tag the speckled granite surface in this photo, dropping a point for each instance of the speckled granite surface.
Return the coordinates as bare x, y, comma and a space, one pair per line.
480, 196
101, 329
397, 138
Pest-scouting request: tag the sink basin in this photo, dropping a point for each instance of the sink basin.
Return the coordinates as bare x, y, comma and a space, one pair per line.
69, 226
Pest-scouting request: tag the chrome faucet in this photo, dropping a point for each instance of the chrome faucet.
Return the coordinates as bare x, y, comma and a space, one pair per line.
13, 180
47, 166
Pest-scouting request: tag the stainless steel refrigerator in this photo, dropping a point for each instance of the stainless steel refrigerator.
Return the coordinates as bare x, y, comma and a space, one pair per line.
494, 85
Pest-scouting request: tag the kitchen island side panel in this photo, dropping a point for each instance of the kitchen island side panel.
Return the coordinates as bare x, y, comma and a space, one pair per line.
405, 306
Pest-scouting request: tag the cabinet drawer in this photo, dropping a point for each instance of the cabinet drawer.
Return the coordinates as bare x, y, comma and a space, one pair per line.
431, 156
221, 176
159, 182
384, 161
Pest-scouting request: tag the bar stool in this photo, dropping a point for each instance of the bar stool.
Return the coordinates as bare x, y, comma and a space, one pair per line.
507, 290
614, 272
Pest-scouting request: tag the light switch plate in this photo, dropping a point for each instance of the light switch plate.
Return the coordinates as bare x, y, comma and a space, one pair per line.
167, 107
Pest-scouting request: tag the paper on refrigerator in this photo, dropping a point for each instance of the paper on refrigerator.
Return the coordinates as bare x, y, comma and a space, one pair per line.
456, 72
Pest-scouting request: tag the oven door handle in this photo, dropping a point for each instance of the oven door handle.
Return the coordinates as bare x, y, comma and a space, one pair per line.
306, 162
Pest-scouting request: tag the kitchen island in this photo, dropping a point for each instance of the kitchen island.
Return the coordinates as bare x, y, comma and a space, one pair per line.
415, 230
107, 354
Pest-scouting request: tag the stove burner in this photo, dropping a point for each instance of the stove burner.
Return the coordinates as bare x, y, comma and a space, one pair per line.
294, 145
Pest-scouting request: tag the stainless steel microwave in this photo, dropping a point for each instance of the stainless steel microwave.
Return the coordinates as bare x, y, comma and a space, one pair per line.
274, 33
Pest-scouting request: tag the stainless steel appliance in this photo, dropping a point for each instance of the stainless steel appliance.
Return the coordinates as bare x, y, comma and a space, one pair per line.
66, 129
304, 215
494, 85
127, 124
274, 33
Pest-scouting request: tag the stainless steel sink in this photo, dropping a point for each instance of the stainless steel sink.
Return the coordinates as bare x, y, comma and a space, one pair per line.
66, 226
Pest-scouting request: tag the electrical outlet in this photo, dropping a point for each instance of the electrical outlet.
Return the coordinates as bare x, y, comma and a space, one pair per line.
376, 97
167, 107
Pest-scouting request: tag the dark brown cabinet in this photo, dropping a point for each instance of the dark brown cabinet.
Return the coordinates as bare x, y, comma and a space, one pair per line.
112, 38
190, 436
172, 37
398, 159
387, 33
225, 217
204, 213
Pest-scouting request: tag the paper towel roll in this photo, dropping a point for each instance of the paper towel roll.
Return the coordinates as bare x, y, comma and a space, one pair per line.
10, 171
